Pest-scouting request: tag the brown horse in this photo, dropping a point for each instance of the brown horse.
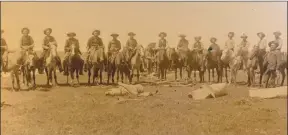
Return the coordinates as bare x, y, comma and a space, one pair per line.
176, 62
136, 61
119, 65
214, 62
51, 66
162, 63
196, 62
96, 65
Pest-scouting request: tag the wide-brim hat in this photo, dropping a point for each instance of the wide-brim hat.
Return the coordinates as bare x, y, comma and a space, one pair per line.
231, 33
162, 33
261, 34
278, 33
152, 45
131, 34
48, 29
114, 35
182, 35
25, 29
244, 36
273, 42
213, 38
97, 31
71, 34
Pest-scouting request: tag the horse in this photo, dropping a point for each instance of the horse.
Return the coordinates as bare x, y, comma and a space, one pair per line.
13, 62
149, 60
96, 65
252, 63
176, 62
162, 63
230, 59
119, 65
196, 62
136, 61
169, 55
214, 62
51, 65
75, 64
31, 64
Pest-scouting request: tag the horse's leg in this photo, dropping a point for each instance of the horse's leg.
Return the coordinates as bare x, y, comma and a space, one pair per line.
195, 75
282, 71
17, 79
249, 79
117, 72
100, 75
89, 75
181, 69
55, 77
72, 76
108, 75
34, 79
13, 80
77, 76
226, 75
175, 71
213, 74
209, 74
47, 75
138, 75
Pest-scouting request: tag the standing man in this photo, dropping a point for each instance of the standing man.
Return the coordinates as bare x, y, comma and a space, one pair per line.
68, 48
272, 62
182, 48
94, 44
230, 43
47, 42
114, 47
4, 52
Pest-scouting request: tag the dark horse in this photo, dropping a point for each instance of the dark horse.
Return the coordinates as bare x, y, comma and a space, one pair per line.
118, 64
176, 62
51, 66
162, 63
96, 65
196, 62
214, 62
30, 66
75, 64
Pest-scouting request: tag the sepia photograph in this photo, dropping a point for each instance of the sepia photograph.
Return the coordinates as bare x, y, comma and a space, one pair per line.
143, 68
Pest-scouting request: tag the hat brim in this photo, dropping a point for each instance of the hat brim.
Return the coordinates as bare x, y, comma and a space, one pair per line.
24, 30
244, 36
277, 33
114, 35
131, 34
270, 43
71, 34
49, 29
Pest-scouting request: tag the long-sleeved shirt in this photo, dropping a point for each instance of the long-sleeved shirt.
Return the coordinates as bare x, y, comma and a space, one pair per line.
280, 43
183, 44
244, 44
198, 45
271, 60
230, 44
162, 43
47, 40
70, 42
262, 44
95, 42
131, 43
114, 45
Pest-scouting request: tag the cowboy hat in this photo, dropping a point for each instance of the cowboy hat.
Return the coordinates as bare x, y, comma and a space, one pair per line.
162, 33
277, 33
48, 29
152, 44
244, 36
231, 33
25, 29
131, 34
182, 35
273, 42
71, 34
213, 38
114, 35
97, 31
198, 37
261, 34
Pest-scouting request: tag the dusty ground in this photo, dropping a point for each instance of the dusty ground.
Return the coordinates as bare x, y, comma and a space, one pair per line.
87, 111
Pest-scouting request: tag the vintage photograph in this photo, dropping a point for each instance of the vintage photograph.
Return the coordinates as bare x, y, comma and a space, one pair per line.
143, 68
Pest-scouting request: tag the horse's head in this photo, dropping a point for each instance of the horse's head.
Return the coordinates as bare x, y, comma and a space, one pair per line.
73, 49
139, 50
53, 50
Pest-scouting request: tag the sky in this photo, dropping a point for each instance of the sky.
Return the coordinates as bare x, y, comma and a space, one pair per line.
146, 19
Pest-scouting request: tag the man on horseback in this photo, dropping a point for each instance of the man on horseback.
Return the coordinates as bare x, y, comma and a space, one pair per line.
114, 47
230, 43
68, 51
198, 45
47, 42
272, 62
182, 48
4, 51
94, 43
27, 45
131, 45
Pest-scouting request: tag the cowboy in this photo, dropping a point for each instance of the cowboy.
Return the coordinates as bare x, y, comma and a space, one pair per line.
244, 43
279, 41
67, 49
214, 46
162, 41
262, 43
4, 52
182, 47
27, 42
48, 40
230, 43
272, 62
114, 46
131, 43
198, 45
94, 43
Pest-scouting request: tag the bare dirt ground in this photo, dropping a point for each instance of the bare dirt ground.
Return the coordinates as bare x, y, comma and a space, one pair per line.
87, 111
